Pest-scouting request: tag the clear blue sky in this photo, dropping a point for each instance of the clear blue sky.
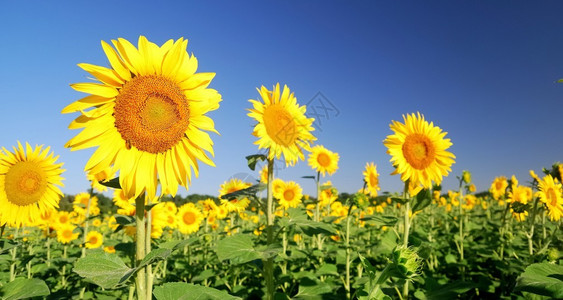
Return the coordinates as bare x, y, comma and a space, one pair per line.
484, 71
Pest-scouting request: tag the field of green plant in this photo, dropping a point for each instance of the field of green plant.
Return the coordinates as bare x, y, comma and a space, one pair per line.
146, 117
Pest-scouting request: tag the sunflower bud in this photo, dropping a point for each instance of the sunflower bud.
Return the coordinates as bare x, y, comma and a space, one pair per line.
407, 261
466, 176
553, 254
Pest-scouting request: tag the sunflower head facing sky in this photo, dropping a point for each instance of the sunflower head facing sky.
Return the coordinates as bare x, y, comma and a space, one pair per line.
323, 160
418, 151
283, 127
29, 184
371, 178
146, 115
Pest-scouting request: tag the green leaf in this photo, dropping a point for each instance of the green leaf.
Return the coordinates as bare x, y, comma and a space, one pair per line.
308, 177
156, 254
6, 245
327, 269
238, 248
247, 192
22, 288
112, 183
124, 220
252, 160
173, 245
298, 218
185, 291
450, 290
381, 220
104, 269
312, 289
543, 279
422, 200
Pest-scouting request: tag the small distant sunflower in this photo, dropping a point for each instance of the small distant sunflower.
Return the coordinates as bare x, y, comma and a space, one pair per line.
29, 184
264, 174
550, 194
65, 233
94, 240
62, 218
189, 218
323, 160
95, 179
498, 187
290, 194
328, 194
371, 177
209, 206
282, 127
520, 193
81, 204
126, 206
146, 116
418, 151
233, 185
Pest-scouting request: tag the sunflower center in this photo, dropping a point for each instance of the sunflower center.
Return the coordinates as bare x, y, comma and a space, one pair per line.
498, 185
419, 151
93, 240
280, 125
373, 180
25, 183
151, 113
288, 195
323, 159
67, 234
189, 218
63, 219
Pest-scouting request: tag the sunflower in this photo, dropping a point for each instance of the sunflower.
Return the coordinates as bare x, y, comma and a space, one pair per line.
189, 218
550, 194
94, 240
65, 233
418, 151
29, 184
209, 206
371, 177
147, 116
232, 186
328, 194
81, 204
498, 187
520, 193
62, 218
126, 206
282, 127
289, 195
323, 160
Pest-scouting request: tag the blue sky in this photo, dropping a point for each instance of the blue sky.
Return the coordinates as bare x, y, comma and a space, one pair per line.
484, 71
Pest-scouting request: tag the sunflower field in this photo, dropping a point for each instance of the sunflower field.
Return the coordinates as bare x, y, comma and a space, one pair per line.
145, 114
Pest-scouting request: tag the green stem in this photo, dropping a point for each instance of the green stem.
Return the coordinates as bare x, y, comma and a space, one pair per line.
149, 274
348, 253
86, 216
406, 231
532, 223
269, 263
140, 247
13, 264
460, 220
63, 281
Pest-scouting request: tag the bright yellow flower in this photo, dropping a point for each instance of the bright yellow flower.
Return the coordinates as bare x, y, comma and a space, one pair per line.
283, 127
323, 160
264, 174
209, 206
109, 249
94, 240
81, 204
534, 175
126, 206
102, 176
65, 233
328, 194
189, 218
418, 151
146, 116
520, 193
289, 195
29, 184
371, 177
62, 218
498, 187
521, 217
550, 193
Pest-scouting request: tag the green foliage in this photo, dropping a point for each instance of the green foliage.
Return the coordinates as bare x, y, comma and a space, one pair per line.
104, 269
22, 288
185, 291
543, 279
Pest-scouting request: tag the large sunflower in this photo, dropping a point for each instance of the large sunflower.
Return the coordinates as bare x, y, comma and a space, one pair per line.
418, 150
147, 116
282, 125
323, 160
371, 177
550, 194
29, 184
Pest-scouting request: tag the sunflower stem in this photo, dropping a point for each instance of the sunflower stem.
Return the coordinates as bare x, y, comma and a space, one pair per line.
86, 216
140, 247
532, 223
269, 263
148, 268
406, 230
13, 251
